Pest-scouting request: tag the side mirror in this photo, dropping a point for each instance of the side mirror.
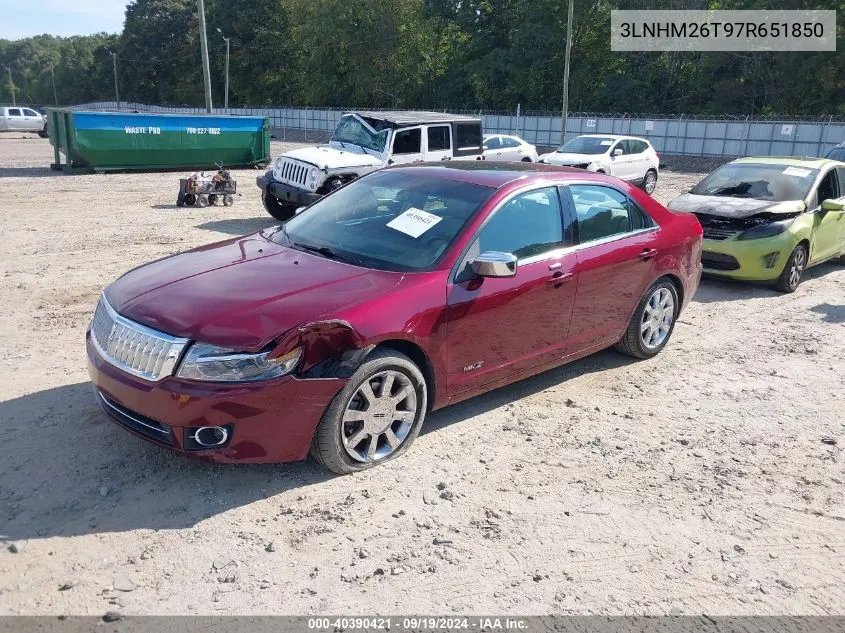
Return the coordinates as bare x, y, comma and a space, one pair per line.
618, 152
833, 205
494, 264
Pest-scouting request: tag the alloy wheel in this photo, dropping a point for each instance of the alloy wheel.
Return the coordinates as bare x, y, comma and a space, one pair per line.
657, 318
379, 416
650, 182
799, 262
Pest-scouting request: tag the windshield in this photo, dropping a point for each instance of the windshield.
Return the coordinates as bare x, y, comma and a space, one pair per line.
587, 145
388, 220
759, 181
837, 154
354, 130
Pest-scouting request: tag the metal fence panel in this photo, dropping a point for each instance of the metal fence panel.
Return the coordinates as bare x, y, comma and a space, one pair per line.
669, 135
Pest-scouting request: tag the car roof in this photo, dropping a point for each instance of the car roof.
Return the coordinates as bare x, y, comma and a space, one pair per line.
794, 161
615, 137
494, 174
413, 117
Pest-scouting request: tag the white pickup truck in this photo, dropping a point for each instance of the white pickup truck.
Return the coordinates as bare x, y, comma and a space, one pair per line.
363, 142
22, 119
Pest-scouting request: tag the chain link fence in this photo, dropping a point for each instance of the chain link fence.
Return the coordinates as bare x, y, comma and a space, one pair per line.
669, 134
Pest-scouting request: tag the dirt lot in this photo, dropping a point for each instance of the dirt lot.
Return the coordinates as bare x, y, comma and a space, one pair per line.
696, 482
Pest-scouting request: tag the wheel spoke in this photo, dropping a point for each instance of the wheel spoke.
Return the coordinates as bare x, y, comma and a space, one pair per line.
353, 441
371, 448
366, 390
392, 440
404, 392
352, 415
405, 416
386, 386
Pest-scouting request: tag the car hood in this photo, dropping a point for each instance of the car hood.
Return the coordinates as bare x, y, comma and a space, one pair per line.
565, 158
727, 207
333, 156
241, 293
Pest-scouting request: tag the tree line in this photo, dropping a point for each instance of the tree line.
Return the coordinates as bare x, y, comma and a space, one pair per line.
460, 54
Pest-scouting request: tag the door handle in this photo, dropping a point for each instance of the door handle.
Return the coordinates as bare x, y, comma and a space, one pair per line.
648, 253
559, 278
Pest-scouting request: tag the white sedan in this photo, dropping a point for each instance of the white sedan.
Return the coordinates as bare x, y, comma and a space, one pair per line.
508, 148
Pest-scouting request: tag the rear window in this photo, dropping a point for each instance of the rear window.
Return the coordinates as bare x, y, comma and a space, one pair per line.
438, 138
759, 181
14, 112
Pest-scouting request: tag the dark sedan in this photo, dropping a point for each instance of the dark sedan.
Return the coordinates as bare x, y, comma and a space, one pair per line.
405, 291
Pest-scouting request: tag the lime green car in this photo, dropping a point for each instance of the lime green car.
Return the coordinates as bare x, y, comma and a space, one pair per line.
769, 218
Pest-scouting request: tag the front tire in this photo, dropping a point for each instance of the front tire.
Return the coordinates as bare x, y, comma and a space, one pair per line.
793, 271
526, 160
653, 321
375, 417
282, 212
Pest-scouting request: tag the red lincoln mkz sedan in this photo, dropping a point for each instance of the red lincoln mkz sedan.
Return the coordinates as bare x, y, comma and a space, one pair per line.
405, 291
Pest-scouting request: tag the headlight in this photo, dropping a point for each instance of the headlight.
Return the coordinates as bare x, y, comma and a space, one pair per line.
313, 173
768, 229
218, 364
279, 163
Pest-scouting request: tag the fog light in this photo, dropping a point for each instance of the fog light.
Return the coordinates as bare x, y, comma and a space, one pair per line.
207, 437
771, 259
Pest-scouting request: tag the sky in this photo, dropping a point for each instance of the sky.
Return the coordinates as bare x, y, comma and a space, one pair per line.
24, 18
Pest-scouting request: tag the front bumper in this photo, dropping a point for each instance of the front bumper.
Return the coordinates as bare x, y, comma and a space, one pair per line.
271, 421
285, 193
748, 260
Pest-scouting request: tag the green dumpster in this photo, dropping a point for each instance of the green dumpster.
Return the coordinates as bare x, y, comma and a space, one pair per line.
103, 141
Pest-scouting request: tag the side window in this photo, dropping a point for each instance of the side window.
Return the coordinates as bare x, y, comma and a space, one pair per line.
637, 147
621, 145
509, 142
840, 171
828, 188
27, 112
468, 137
603, 212
407, 141
493, 143
526, 225
14, 112
438, 138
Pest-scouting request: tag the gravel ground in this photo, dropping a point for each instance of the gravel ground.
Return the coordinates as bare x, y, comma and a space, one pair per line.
706, 480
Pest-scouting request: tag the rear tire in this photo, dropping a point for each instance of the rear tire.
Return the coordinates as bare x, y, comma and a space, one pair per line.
793, 271
653, 321
280, 211
362, 407
526, 160
649, 183
202, 201
228, 200
190, 199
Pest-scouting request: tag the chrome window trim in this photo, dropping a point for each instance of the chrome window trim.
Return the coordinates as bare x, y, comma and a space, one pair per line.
177, 344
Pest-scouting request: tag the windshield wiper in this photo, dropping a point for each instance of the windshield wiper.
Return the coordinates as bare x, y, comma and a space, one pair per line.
325, 251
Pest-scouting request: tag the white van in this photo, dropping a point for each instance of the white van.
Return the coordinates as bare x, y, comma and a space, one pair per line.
22, 119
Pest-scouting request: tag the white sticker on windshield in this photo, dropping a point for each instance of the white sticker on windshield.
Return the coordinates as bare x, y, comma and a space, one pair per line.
606, 143
797, 171
414, 222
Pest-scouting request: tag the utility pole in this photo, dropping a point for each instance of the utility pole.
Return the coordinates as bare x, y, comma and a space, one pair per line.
53, 76
11, 83
206, 71
226, 90
564, 115
114, 64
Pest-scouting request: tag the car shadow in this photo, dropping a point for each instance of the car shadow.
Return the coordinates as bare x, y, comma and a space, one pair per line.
719, 289
68, 470
238, 226
601, 361
831, 313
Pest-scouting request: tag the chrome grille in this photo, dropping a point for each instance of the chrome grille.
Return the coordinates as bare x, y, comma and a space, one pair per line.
134, 348
292, 172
